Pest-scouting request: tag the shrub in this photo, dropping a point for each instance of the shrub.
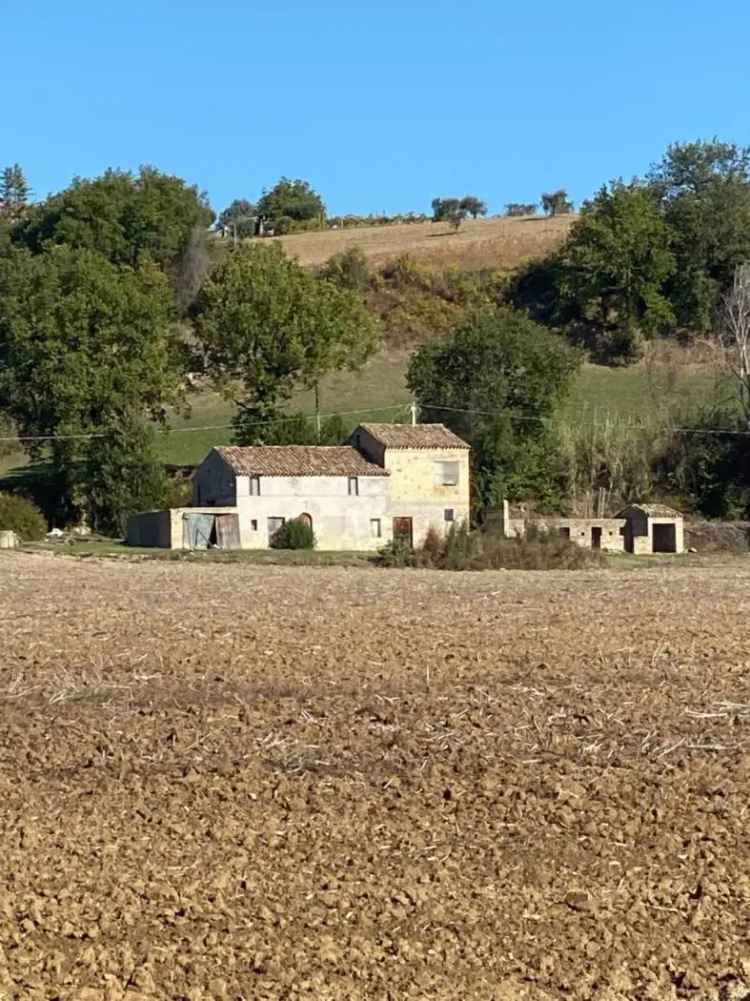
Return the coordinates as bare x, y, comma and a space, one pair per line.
22, 517
396, 553
349, 269
295, 534
462, 549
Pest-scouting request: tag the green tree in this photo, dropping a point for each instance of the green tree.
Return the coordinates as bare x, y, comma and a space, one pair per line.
448, 210
473, 206
497, 383
88, 354
556, 203
513, 209
124, 217
14, 193
616, 263
265, 323
704, 190
288, 199
239, 219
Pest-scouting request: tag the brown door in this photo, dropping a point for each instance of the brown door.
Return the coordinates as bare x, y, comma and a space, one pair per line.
403, 530
596, 537
227, 531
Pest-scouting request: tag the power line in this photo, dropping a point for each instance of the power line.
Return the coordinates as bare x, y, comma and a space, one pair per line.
208, 427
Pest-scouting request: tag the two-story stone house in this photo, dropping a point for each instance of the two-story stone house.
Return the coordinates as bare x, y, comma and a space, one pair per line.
389, 480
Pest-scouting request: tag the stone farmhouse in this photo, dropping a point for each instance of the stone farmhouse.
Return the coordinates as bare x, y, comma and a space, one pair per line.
390, 481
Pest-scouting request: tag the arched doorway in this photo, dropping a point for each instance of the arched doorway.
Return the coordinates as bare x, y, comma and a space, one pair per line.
306, 519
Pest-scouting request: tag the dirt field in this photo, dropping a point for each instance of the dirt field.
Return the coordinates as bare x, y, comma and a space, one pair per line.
263, 782
496, 243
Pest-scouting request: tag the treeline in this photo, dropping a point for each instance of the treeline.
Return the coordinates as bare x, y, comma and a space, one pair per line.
649, 257
111, 308
110, 312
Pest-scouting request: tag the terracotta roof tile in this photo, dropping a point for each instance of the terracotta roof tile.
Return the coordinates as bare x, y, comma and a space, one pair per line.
298, 460
435, 436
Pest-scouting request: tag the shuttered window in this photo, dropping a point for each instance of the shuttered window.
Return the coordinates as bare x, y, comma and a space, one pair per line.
445, 474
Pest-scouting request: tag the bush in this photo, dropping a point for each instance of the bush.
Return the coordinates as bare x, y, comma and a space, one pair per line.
396, 553
295, 534
22, 517
462, 549
349, 269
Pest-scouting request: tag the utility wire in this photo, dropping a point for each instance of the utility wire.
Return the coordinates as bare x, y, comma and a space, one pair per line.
403, 407
208, 427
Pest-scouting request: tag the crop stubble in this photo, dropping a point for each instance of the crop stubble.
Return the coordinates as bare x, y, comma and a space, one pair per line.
243, 782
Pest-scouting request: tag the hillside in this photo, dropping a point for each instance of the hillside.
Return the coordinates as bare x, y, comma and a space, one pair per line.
497, 243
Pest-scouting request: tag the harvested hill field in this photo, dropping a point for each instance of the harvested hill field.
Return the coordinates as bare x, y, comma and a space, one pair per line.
226, 781
481, 243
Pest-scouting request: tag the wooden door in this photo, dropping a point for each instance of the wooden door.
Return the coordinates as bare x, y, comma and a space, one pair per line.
403, 530
228, 531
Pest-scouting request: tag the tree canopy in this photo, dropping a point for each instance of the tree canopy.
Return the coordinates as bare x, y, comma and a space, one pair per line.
86, 348
289, 199
14, 193
122, 216
556, 202
615, 265
704, 191
239, 218
265, 323
497, 382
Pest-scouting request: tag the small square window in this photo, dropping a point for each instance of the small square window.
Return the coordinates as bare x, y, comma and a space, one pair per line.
255, 486
353, 486
254, 525
448, 514
375, 528
274, 524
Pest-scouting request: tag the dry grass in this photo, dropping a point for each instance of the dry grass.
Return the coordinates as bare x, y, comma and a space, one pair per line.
494, 243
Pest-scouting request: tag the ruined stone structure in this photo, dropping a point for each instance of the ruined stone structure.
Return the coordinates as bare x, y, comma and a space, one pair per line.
639, 529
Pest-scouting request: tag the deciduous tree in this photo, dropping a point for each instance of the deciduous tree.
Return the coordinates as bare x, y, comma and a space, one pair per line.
556, 202
267, 325
88, 355
288, 199
497, 383
616, 263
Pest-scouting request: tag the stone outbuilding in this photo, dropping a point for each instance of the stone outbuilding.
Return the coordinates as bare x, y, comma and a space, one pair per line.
641, 529
389, 481
653, 528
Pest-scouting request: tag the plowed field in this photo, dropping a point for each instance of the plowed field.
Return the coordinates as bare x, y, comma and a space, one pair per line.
227, 781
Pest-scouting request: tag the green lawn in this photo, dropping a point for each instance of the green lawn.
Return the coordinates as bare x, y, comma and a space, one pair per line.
379, 392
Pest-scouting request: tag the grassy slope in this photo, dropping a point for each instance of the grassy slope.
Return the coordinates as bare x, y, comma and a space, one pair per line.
380, 385
495, 243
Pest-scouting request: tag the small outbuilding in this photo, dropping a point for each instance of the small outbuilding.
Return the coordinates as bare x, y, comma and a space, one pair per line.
653, 528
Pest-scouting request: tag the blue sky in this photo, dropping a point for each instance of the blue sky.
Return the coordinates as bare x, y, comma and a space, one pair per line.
381, 105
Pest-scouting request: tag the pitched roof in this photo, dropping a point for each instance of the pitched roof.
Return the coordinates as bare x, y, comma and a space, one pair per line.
414, 436
653, 510
298, 460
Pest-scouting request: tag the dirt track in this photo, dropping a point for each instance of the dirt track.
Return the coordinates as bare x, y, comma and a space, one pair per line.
238, 782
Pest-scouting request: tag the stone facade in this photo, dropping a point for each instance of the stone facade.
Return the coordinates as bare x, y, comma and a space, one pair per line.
389, 480
640, 529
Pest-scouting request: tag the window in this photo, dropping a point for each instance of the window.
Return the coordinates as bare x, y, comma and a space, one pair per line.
255, 486
375, 528
448, 514
353, 486
274, 524
445, 474
254, 525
